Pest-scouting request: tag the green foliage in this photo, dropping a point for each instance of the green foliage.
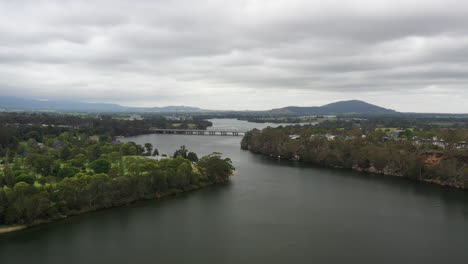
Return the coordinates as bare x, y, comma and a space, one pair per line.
149, 149
155, 152
69, 174
128, 149
402, 156
40, 162
192, 156
67, 171
25, 178
182, 151
101, 166
8, 176
216, 168
78, 161
65, 154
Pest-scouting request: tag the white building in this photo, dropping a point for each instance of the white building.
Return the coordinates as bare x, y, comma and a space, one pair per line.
294, 136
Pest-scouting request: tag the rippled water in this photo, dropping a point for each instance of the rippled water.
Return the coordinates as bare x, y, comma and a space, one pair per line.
272, 212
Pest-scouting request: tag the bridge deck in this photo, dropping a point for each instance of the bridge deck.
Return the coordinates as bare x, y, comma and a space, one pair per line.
210, 132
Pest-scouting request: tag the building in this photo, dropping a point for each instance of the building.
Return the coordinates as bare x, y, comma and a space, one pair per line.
294, 136
461, 145
135, 117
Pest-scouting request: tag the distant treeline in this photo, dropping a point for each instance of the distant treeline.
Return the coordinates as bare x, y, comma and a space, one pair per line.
422, 121
16, 127
400, 120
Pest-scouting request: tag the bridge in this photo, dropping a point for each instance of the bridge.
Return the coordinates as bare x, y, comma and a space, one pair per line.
211, 132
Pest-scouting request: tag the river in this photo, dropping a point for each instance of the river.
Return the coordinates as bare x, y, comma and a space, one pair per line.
271, 212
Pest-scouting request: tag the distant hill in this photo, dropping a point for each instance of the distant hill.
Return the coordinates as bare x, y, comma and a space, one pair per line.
338, 108
16, 103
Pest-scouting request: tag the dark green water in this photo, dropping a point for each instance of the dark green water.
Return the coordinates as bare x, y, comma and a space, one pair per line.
272, 212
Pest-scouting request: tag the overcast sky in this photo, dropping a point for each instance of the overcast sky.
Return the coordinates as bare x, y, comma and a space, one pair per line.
408, 55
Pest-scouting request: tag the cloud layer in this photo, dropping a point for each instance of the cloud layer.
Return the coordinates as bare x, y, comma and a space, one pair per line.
245, 54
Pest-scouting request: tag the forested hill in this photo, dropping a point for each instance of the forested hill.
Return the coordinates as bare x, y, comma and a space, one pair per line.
337, 108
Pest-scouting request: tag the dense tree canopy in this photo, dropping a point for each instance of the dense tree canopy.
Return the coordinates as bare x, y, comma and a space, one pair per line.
370, 150
39, 182
18, 127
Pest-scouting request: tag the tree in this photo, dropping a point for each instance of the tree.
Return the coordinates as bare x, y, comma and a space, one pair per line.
155, 152
65, 153
129, 149
79, 161
26, 204
29, 179
140, 150
149, 149
184, 173
41, 163
216, 168
182, 151
67, 171
94, 152
192, 156
101, 166
8, 176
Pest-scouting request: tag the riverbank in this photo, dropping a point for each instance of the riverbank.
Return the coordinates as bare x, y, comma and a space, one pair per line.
174, 193
373, 170
170, 194
367, 153
9, 229
253, 216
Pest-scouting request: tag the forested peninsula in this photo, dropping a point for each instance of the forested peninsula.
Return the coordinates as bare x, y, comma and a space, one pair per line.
436, 155
49, 177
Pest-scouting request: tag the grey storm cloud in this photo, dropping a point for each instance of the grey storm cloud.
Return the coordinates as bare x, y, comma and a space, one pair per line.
247, 54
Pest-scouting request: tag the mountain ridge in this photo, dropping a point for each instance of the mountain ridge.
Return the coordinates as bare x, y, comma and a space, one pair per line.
337, 108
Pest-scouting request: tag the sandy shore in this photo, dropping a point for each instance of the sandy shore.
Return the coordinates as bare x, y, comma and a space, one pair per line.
11, 229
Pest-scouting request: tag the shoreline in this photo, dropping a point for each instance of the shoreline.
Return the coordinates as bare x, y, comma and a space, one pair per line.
8, 229
374, 171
